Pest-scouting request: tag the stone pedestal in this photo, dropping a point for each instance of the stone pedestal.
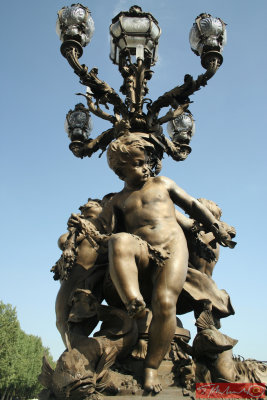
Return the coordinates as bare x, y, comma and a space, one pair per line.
170, 393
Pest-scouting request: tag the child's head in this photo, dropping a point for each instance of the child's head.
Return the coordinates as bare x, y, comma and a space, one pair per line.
106, 199
92, 208
212, 207
124, 150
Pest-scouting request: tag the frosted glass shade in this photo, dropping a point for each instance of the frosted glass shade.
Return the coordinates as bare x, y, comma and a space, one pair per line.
209, 33
76, 23
78, 124
132, 29
182, 128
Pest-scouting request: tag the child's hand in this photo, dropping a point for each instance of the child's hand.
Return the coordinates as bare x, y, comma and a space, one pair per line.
74, 221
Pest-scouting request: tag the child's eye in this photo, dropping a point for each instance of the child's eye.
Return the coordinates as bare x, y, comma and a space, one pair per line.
138, 163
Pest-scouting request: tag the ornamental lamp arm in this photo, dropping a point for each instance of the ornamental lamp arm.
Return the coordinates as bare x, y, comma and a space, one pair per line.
180, 94
91, 146
96, 110
102, 91
172, 114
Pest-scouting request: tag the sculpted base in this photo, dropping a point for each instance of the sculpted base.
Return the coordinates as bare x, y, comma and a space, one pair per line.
149, 263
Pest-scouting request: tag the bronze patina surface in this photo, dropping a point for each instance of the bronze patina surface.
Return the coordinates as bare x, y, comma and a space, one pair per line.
132, 261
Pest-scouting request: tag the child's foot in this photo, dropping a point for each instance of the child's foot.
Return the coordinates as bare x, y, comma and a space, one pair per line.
136, 308
140, 350
151, 381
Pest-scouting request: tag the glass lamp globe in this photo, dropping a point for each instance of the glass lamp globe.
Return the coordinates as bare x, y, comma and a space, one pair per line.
136, 31
78, 123
207, 33
181, 129
75, 22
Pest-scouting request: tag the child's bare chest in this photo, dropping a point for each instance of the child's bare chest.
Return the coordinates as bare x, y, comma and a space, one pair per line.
146, 198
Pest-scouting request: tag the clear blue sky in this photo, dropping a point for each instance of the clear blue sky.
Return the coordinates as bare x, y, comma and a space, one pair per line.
42, 182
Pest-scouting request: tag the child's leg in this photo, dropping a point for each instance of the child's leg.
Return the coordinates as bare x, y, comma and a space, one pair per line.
126, 254
62, 307
167, 287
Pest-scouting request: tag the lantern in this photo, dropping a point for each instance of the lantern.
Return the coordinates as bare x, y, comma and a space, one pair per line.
135, 31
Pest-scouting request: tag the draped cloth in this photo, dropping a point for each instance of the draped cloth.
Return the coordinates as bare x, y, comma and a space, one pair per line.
198, 289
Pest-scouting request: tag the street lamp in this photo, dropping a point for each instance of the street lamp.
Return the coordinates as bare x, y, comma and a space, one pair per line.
78, 126
181, 130
207, 38
134, 37
142, 212
134, 33
75, 26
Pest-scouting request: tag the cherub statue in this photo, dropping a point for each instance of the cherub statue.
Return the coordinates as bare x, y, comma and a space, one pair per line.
203, 247
83, 246
150, 261
200, 291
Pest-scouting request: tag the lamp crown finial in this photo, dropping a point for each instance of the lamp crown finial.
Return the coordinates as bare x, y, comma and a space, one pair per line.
135, 9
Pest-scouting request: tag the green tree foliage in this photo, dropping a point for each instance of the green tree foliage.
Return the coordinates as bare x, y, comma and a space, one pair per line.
20, 357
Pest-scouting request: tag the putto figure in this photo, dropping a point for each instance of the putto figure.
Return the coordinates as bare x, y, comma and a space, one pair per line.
81, 250
149, 262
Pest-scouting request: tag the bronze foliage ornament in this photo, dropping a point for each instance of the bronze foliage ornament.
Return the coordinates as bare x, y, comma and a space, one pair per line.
133, 249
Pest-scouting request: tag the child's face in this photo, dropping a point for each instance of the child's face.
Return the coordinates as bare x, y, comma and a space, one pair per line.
136, 172
91, 209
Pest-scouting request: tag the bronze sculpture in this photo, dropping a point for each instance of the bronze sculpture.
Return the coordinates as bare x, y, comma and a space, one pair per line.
153, 247
146, 208
133, 249
78, 257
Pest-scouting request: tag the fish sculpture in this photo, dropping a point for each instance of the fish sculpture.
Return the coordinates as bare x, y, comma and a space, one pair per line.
82, 371
209, 341
214, 360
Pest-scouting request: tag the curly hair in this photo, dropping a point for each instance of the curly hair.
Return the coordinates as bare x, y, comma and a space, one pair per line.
121, 150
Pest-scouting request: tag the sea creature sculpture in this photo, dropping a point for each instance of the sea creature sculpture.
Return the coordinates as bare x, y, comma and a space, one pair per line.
214, 360
82, 371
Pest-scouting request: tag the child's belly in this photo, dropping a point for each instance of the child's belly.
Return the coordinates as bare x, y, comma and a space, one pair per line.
161, 233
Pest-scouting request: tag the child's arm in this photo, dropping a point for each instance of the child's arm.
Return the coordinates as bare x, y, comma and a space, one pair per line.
198, 211
107, 217
185, 222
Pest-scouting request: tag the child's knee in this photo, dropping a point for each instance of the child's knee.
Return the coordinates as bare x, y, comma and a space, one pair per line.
121, 243
164, 304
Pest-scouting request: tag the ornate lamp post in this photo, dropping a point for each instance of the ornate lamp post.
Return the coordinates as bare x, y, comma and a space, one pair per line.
134, 37
146, 269
141, 218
